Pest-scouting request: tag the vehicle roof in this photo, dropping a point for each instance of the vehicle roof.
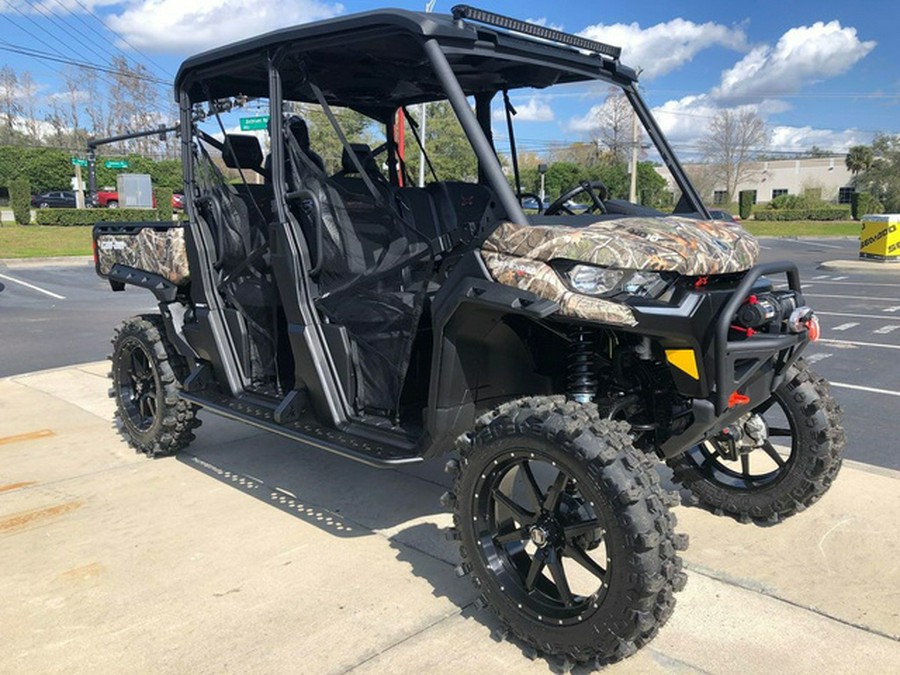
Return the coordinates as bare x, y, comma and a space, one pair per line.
374, 61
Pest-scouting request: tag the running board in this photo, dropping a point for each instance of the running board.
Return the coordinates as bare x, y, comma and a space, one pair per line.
377, 455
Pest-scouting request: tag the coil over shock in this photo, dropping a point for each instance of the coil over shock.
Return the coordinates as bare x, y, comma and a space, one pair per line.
582, 366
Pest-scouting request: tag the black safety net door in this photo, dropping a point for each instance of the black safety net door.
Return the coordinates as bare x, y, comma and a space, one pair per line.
372, 277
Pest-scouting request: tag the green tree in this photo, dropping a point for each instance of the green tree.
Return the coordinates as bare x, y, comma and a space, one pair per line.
446, 144
859, 158
20, 200
882, 178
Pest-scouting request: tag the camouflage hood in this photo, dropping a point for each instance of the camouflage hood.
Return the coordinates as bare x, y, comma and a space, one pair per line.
665, 243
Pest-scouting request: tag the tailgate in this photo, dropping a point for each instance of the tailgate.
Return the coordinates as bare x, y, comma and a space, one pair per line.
154, 247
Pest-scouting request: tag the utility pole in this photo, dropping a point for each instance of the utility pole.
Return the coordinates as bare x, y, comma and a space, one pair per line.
423, 116
423, 108
632, 192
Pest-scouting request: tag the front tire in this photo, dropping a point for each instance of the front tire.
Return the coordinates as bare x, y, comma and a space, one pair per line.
565, 530
791, 470
146, 376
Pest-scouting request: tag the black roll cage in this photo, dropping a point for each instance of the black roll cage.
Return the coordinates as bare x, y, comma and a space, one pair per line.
291, 259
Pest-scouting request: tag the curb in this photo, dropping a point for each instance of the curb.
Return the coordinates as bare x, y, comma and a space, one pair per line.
860, 266
59, 261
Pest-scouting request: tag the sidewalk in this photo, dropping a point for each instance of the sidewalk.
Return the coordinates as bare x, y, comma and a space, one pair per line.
253, 554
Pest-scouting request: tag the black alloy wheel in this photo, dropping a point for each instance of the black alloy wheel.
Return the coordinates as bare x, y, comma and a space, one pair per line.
535, 525
754, 467
139, 385
147, 372
564, 529
789, 467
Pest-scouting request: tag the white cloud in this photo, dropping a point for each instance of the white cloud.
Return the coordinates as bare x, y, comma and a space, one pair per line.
800, 139
178, 26
45, 7
534, 110
543, 22
804, 55
665, 47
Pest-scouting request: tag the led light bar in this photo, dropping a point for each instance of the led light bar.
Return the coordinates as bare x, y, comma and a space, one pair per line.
517, 26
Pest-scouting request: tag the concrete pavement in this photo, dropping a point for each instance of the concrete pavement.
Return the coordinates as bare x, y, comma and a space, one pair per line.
249, 553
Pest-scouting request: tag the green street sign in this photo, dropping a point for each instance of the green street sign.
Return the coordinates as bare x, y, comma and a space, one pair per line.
79, 162
254, 123
115, 164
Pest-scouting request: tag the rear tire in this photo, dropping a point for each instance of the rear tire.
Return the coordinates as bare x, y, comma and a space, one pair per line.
112, 205
565, 530
792, 478
146, 376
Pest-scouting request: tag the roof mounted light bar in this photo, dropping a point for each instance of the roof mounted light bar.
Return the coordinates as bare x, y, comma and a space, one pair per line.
517, 26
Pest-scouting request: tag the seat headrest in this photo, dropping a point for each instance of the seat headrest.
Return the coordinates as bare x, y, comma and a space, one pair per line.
242, 152
297, 126
362, 152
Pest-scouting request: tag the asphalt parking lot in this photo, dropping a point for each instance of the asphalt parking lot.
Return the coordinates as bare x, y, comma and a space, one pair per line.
859, 313
251, 553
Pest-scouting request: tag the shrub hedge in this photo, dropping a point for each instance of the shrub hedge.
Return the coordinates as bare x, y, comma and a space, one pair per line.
863, 203
20, 200
163, 198
829, 213
746, 203
93, 216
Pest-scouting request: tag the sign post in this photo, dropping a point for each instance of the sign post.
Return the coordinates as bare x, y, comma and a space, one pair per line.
77, 162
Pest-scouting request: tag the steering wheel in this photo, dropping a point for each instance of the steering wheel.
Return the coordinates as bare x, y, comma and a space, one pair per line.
592, 188
537, 200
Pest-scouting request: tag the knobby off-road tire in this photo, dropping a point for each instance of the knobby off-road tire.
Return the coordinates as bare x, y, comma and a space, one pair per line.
784, 485
546, 495
146, 375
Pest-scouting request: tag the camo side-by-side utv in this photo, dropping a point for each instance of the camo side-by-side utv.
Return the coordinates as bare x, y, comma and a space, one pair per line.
553, 354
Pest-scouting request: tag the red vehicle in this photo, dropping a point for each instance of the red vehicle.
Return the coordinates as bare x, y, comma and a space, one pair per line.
109, 199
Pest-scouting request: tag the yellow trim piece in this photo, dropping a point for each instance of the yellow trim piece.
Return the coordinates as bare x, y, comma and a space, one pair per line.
684, 360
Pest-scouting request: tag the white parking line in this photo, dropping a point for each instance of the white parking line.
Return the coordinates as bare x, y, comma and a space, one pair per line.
840, 278
857, 297
871, 390
851, 343
884, 330
845, 326
815, 358
849, 315
895, 308
33, 287
853, 283
821, 277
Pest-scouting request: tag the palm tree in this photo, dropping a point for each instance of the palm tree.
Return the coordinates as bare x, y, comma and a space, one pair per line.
859, 158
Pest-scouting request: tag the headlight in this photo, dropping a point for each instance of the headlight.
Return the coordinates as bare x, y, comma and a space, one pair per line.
645, 284
605, 281
592, 280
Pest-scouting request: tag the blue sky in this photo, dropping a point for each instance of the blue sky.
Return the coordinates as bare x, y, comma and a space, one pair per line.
820, 73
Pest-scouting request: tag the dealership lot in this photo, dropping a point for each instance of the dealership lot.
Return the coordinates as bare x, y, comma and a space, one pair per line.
251, 553
70, 319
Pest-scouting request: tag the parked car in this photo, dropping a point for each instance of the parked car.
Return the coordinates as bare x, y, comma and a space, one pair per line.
109, 199
54, 200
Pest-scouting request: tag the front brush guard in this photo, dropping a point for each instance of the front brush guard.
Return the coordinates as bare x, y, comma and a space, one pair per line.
741, 363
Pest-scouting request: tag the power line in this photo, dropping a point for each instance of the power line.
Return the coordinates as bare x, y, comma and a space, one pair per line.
123, 39
50, 17
37, 54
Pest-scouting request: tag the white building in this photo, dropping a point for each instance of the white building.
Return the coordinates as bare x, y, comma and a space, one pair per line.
827, 175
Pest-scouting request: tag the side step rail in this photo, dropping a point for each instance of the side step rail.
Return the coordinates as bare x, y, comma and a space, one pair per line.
306, 431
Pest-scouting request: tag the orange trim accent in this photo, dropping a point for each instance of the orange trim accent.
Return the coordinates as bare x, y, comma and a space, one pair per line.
737, 399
